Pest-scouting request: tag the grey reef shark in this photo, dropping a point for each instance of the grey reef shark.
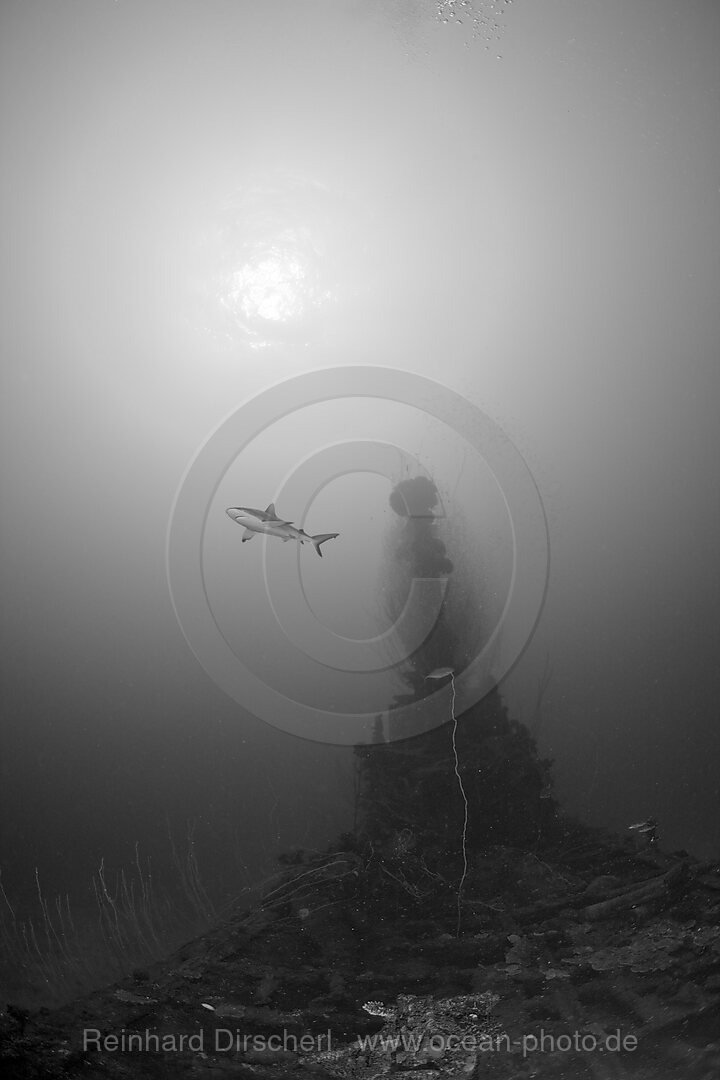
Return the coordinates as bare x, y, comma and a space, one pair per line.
267, 523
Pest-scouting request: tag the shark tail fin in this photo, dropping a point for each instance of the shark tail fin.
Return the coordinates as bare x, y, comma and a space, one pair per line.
320, 539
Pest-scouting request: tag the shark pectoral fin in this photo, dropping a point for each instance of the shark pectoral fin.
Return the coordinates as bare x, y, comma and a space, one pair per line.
284, 539
247, 535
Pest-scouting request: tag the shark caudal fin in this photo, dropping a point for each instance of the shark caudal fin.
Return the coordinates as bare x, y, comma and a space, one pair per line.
320, 539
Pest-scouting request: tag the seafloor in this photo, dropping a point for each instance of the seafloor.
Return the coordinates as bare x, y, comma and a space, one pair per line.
580, 957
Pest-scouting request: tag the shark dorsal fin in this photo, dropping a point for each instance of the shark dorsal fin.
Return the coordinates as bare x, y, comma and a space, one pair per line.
271, 515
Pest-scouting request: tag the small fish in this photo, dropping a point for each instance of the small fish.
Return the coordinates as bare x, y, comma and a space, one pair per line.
267, 523
648, 826
440, 673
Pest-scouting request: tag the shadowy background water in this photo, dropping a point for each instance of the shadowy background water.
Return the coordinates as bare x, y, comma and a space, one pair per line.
201, 199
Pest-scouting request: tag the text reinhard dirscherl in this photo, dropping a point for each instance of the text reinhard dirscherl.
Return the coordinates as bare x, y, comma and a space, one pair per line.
225, 1040
222, 1040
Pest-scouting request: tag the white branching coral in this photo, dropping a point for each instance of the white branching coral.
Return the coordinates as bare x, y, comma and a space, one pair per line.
377, 1008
